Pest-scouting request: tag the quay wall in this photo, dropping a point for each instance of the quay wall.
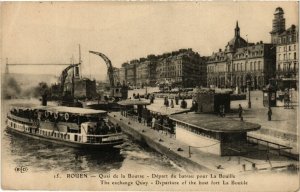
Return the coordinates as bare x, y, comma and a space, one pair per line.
179, 157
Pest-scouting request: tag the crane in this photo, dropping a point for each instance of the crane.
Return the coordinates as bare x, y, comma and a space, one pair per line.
116, 90
110, 69
64, 75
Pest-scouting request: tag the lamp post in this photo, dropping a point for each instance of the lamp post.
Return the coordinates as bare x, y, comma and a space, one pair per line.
248, 77
249, 96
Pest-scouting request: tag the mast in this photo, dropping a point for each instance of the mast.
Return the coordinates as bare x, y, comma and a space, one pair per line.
79, 67
73, 76
6, 67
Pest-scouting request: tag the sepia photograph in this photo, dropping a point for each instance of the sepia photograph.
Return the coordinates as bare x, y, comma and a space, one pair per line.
150, 96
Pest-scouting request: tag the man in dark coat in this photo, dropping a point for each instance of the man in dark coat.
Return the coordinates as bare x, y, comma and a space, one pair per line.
240, 111
269, 114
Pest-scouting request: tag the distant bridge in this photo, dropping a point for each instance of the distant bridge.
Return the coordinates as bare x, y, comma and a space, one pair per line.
33, 64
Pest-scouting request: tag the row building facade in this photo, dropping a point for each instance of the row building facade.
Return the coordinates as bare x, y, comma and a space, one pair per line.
287, 50
182, 68
241, 63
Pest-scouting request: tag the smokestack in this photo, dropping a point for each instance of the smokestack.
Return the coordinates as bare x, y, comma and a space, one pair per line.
77, 71
44, 98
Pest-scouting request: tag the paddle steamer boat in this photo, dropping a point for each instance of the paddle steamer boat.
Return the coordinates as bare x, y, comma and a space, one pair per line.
76, 127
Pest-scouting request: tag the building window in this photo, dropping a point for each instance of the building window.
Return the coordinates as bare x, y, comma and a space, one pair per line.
279, 57
289, 56
284, 57
289, 48
278, 68
258, 67
295, 55
250, 66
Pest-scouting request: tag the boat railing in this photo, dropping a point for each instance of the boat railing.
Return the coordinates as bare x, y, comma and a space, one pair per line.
84, 138
102, 138
21, 119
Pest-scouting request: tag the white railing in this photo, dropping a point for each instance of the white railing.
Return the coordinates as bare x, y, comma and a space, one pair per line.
111, 138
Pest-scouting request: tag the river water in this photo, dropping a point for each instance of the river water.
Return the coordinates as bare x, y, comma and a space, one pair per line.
42, 156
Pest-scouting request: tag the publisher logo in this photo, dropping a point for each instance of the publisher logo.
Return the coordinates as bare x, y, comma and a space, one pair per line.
21, 169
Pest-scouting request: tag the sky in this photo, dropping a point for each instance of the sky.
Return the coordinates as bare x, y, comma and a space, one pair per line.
50, 32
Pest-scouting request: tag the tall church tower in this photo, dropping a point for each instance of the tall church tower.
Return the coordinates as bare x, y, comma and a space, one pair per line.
278, 25
237, 30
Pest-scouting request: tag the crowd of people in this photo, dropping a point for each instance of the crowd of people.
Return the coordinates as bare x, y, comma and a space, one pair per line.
103, 127
154, 120
170, 103
150, 119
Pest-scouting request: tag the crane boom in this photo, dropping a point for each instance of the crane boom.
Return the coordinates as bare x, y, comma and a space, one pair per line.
110, 70
64, 75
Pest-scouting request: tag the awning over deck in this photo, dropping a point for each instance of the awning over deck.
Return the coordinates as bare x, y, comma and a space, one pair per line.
210, 122
131, 102
75, 110
24, 105
57, 109
163, 110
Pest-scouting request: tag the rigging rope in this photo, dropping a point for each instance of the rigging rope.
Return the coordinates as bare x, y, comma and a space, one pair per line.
90, 65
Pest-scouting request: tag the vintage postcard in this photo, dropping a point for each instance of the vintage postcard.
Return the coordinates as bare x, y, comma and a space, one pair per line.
150, 96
